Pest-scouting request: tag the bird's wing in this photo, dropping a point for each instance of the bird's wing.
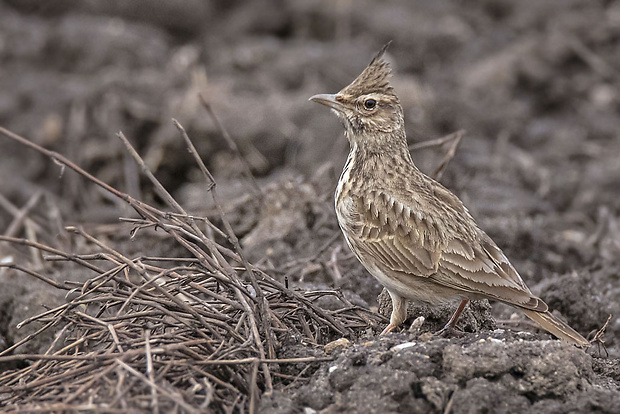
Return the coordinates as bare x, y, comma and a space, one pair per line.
446, 247
488, 272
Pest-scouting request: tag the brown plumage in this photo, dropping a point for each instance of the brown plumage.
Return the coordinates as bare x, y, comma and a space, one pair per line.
409, 231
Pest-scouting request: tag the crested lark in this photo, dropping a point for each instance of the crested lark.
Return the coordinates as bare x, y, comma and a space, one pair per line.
409, 231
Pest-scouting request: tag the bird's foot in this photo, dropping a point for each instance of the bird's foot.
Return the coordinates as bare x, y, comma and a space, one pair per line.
388, 329
449, 331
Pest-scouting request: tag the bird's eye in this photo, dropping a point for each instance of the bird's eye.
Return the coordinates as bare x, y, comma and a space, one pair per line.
370, 103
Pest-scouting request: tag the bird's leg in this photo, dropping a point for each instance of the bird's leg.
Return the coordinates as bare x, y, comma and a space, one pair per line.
399, 313
450, 328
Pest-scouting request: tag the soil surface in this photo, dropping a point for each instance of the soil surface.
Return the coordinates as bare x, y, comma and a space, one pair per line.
535, 85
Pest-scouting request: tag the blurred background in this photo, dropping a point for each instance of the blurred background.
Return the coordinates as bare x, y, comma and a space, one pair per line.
534, 84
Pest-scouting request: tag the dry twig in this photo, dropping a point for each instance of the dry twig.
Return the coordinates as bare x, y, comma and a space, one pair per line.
178, 333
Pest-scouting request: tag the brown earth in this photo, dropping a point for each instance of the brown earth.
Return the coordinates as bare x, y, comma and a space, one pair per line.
534, 84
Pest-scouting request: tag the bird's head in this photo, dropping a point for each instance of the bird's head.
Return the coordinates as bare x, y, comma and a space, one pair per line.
368, 106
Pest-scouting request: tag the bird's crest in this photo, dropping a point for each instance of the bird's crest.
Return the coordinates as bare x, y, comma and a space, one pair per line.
374, 79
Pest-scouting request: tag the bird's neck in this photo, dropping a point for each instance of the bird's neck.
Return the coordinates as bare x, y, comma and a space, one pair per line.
378, 149
378, 159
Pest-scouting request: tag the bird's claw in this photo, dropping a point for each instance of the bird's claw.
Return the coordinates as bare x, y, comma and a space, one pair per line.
449, 332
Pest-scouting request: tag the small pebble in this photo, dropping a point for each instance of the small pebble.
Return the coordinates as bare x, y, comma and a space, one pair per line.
417, 324
338, 343
426, 336
403, 346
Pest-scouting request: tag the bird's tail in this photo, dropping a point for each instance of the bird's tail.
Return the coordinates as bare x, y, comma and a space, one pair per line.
556, 327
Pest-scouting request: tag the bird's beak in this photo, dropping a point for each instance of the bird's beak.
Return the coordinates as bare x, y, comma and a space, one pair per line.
328, 100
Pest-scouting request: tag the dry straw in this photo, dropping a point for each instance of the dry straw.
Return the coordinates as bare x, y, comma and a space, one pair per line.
204, 332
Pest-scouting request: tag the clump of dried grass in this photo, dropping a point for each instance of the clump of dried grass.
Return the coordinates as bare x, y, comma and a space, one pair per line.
164, 334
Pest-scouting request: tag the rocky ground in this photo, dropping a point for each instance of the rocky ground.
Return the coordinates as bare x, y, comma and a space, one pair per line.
534, 84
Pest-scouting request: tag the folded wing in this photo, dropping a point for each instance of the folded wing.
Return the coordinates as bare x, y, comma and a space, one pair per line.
400, 236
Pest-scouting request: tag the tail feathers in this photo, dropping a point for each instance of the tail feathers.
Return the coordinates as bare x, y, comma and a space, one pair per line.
556, 327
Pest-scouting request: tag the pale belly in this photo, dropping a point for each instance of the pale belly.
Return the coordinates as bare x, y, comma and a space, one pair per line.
417, 288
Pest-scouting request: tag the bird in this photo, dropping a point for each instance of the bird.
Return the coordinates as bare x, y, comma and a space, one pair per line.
410, 232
